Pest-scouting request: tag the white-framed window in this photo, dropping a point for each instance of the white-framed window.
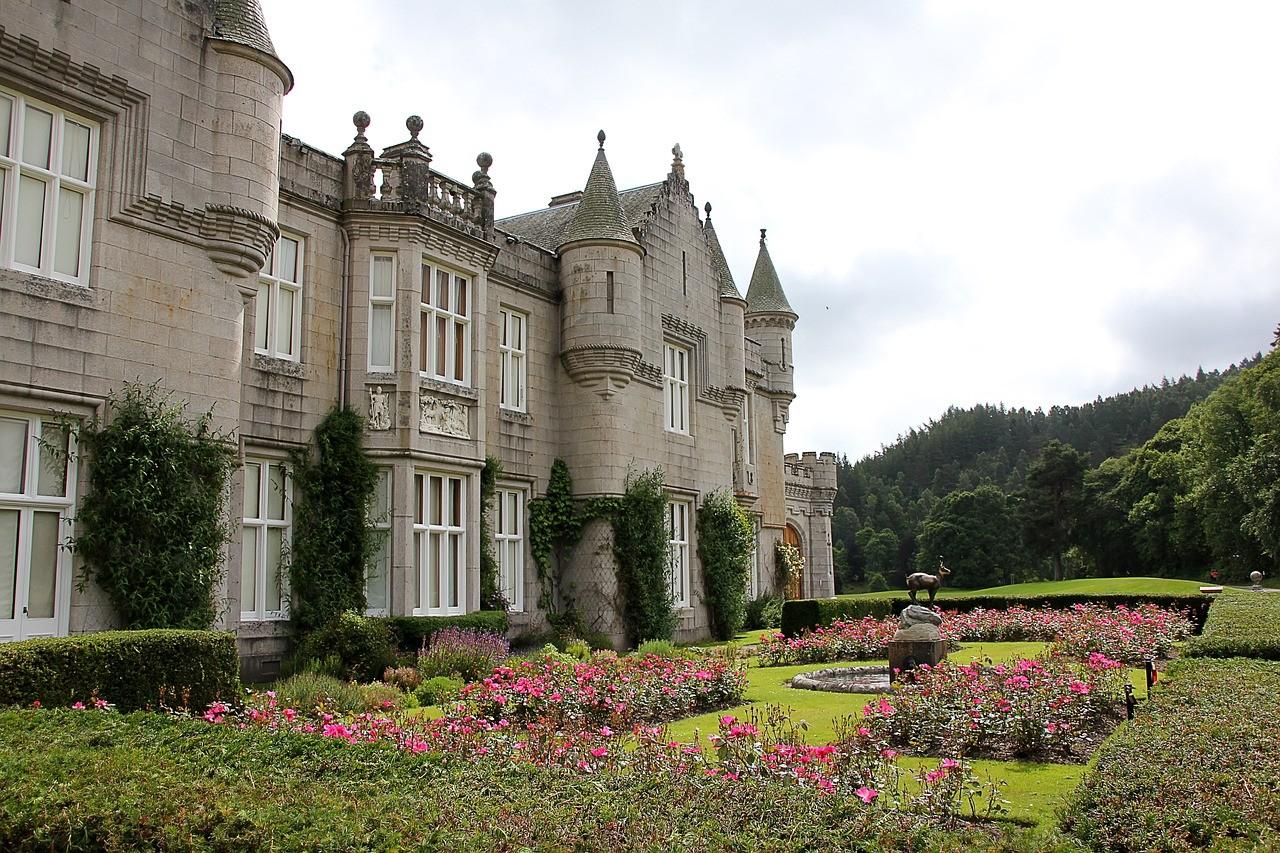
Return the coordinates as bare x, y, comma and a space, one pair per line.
747, 437
678, 551
676, 385
377, 581
48, 165
265, 538
439, 544
508, 535
445, 325
37, 480
382, 312
514, 358
277, 328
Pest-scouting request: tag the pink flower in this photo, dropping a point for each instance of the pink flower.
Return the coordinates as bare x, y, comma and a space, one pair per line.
866, 794
79, 706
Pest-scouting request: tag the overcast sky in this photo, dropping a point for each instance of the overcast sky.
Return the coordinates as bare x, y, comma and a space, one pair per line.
1016, 202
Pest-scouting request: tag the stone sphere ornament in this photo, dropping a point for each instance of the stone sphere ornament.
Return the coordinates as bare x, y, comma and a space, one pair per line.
1256, 577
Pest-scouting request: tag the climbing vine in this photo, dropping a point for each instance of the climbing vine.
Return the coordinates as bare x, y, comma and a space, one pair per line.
554, 526
333, 485
725, 540
790, 564
641, 549
153, 524
491, 597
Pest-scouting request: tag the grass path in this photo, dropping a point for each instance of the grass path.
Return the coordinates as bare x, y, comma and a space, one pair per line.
1083, 586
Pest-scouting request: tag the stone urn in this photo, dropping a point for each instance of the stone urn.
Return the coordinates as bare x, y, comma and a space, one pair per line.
917, 641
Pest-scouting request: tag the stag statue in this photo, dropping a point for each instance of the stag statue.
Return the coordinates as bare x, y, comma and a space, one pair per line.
928, 582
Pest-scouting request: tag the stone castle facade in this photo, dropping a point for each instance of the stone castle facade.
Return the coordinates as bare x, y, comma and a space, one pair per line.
157, 226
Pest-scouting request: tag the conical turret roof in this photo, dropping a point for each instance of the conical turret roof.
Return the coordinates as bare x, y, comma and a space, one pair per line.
765, 295
599, 214
728, 288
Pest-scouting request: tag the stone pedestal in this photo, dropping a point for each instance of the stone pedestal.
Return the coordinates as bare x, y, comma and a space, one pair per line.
917, 642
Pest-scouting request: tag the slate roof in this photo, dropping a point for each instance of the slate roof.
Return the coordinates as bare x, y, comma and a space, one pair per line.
765, 295
718, 263
549, 227
241, 21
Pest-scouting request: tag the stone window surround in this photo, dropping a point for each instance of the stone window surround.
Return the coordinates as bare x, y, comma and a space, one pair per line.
13, 169
511, 356
677, 387
431, 313
379, 304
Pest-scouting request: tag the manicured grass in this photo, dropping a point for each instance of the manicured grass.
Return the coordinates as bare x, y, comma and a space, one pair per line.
1083, 586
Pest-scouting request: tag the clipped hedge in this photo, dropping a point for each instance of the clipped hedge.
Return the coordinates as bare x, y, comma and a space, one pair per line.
808, 613
76, 780
1245, 624
1196, 770
411, 631
130, 669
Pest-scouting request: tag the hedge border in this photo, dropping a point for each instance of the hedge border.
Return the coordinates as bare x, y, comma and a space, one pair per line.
130, 669
1243, 624
805, 614
411, 631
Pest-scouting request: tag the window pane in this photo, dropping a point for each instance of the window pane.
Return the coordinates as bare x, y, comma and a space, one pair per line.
66, 244
426, 284
6, 119
455, 569
505, 383
415, 593
4, 180
376, 585
455, 502
433, 571
8, 561
380, 284
424, 341
275, 554
435, 501
284, 322
462, 296
442, 331
505, 320
37, 133
43, 581
260, 309
30, 234
249, 570
459, 351
517, 332
53, 461
513, 512
382, 498
251, 484
275, 492
418, 495
517, 378
287, 258
380, 336
13, 454
502, 513
75, 150
442, 289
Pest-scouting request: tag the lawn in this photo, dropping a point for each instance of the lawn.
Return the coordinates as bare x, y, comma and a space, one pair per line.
1033, 789
1083, 586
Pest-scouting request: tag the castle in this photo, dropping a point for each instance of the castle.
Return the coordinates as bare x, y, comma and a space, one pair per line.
157, 225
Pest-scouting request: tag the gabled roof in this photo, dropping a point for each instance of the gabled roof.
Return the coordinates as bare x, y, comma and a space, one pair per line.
728, 288
765, 295
548, 227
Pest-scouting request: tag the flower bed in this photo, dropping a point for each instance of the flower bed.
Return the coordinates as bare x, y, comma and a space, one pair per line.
1130, 634
1052, 709
608, 689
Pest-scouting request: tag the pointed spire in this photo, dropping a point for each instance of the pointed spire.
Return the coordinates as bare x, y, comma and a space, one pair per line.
728, 288
599, 214
765, 295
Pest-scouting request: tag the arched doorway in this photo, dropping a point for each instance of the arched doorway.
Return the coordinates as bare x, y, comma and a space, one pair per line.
795, 586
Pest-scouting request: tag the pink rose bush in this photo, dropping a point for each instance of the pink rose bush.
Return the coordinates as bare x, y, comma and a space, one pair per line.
607, 689
1052, 708
1129, 634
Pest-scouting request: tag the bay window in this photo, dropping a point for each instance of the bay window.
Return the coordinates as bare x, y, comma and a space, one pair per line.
445, 325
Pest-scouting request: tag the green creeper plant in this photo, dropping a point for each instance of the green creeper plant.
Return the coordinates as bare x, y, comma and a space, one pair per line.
641, 549
725, 540
490, 594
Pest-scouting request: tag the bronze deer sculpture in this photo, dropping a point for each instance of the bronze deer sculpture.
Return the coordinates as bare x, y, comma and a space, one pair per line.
930, 583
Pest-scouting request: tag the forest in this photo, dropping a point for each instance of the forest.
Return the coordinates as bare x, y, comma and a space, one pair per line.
1180, 479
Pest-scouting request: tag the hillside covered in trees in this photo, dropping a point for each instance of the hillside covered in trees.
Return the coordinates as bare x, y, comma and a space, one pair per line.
1118, 486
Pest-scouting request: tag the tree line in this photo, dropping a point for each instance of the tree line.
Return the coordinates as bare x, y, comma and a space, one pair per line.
1175, 479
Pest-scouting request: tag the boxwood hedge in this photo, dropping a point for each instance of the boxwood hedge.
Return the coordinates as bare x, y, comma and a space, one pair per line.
1243, 624
808, 613
1197, 769
86, 780
411, 631
130, 669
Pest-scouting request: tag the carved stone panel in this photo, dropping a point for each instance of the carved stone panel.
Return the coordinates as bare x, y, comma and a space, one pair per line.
379, 409
443, 417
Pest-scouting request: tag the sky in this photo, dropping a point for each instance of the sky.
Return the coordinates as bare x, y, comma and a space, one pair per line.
1019, 202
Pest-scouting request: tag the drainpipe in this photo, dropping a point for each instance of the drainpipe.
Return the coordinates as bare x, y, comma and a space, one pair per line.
344, 319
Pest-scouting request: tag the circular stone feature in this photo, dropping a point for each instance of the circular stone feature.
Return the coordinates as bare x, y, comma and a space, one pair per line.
845, 679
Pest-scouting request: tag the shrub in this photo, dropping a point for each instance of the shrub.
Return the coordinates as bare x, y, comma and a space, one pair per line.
1240, 624
362, 646
130, 669
315, 691
438, 690
663, 648
764, 611
578, 649
152, 526
412, 632
863, 639
405, 678
462, 653
1214, 719
334, 483
876, 582
725, 540
640, 547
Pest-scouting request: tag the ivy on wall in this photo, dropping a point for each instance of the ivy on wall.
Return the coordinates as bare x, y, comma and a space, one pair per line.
491, 597
790, 565
333, 482
640, 546
153, 525
554, 526
725, 540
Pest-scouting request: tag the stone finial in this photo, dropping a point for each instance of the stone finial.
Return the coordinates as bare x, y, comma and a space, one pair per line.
481, 177
762, 230
677, 161
707, 208
600, 139
414, 123
361, 121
